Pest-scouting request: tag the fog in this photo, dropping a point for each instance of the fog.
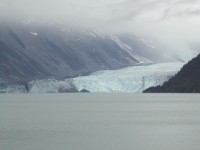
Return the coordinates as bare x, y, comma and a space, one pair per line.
174, 21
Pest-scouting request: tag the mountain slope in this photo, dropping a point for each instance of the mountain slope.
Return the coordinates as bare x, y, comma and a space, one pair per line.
187, 80
31, 50
36, 52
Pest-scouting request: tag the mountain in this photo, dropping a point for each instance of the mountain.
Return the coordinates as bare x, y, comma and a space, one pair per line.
38, 49
187, 80
32, 52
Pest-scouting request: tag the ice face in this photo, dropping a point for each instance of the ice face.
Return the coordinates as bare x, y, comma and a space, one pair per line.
127, 80
132, 79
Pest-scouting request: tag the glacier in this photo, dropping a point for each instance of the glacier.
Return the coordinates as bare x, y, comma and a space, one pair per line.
126, 80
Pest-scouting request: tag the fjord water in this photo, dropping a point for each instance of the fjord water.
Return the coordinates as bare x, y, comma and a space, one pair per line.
100, 122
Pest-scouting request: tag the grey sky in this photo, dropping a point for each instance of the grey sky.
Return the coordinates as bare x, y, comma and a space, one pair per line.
179, 19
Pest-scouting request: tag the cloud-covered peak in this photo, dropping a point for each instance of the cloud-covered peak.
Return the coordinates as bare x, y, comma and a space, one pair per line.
166, 19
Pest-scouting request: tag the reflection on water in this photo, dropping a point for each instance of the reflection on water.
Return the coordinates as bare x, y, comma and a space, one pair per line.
100, 122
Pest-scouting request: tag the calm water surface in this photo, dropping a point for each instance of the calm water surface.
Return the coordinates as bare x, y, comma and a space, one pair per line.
100, 122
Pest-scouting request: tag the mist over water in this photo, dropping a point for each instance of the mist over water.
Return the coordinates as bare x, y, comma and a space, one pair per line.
100, 122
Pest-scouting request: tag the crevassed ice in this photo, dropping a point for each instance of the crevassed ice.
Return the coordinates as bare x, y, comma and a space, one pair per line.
132, 79
127, 80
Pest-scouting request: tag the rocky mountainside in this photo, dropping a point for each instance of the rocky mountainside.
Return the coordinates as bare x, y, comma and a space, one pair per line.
187, 80
31, 50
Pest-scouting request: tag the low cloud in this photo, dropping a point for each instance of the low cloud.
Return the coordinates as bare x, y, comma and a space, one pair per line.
165, 19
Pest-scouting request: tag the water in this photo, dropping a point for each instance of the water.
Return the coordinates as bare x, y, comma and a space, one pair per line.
100, 122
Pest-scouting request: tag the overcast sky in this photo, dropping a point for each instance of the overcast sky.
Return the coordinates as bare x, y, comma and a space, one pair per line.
172, 19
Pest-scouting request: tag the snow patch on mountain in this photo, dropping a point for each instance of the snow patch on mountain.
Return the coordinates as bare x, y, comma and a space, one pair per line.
142, 60
101, 35
93, 35
34, 33
129, 49
120, 43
